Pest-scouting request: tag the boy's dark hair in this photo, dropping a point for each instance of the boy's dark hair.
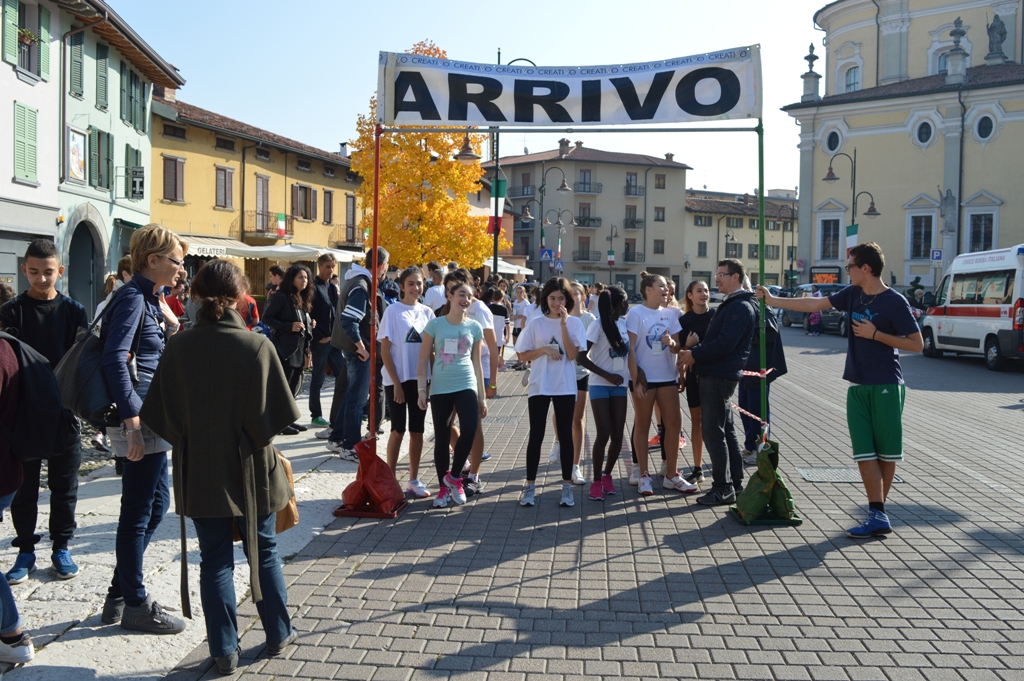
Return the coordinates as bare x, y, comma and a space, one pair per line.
869, 254
382, 257
277, 270
734, 266
433, 266
556, 284
42, 249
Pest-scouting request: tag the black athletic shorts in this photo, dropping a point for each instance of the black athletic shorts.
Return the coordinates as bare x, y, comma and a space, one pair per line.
417, 416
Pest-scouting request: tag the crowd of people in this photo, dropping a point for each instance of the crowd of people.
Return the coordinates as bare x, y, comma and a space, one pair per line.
194, 381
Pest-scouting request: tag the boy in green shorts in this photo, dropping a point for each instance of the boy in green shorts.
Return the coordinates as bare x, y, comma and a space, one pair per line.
881, 325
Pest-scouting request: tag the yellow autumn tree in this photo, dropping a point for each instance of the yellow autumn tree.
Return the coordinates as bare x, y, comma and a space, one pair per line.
424, 210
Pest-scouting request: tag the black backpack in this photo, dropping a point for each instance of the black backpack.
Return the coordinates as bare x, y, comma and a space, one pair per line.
42, 427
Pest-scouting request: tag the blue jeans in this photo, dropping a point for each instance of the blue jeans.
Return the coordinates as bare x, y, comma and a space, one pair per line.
324, 355
10, 620
145, 498
719, 432
347, 425
217, 586
750, 400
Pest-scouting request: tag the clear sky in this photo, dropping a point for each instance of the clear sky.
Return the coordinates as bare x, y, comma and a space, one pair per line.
306, 68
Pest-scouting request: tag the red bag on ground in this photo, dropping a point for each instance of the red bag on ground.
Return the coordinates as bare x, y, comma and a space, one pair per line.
355, 495
378, 480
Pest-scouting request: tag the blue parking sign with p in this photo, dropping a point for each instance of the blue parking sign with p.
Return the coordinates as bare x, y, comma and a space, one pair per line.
936, 255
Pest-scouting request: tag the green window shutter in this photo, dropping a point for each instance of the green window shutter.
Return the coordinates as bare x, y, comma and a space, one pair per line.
10, 31
20, 141
31, 148
143, 122
77, 46
128, 158
102, 53
44, 43
94, 157
136, 96
124, 91
109, 165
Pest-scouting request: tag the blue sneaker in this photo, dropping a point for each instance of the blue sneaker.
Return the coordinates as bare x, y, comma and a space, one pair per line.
63, 565
24, 565
876, 525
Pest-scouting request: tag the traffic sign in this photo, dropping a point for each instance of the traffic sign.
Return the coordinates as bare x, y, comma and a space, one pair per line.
936, 255
547, 255
559, 265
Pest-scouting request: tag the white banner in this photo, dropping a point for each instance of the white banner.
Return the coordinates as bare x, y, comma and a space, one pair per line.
417, 90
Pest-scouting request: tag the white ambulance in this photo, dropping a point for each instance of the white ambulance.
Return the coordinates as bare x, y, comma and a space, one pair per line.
979, 308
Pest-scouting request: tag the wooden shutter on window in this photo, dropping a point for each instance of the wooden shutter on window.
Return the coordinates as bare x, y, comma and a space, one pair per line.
20, 141
10, 31
350, 210
136, 99
129, 158
170, 171
262, 192
179, 181
144, 108
312, 204
94, 157
109, 183
328, 207
124, 92
102, 52
44, 43
295, 201
220, 187
229, 181
77, 44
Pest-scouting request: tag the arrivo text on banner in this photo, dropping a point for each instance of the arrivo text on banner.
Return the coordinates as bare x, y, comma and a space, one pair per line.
415, 89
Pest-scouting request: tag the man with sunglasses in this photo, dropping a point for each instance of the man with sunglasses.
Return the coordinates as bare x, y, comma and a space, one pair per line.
881, 325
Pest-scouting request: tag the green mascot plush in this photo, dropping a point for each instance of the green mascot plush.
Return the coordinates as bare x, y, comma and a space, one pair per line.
766, 500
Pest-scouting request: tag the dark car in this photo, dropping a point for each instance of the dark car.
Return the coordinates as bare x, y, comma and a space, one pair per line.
831, 319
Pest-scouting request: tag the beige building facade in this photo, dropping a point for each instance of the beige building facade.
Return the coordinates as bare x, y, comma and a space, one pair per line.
928, 97
633, 205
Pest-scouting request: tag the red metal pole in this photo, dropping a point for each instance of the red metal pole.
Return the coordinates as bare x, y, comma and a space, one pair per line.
374, 268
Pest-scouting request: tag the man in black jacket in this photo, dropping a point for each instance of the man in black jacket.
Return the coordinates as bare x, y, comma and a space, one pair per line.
719, 360
325, 302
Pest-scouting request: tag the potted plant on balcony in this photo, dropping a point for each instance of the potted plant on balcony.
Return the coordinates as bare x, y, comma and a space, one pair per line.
27, 37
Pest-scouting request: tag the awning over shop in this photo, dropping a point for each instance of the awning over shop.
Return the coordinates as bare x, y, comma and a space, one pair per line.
291, 252
505, 267
211, 246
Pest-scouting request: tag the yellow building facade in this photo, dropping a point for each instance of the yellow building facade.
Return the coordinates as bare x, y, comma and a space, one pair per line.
224, 185
928, 97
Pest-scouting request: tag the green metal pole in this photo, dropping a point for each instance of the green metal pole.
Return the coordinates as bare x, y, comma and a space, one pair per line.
760, 259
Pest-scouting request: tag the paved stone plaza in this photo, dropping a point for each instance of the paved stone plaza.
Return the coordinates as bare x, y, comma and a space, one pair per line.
665, 588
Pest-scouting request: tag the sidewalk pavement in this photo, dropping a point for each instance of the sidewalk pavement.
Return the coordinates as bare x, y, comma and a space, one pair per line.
64, 616
661, 587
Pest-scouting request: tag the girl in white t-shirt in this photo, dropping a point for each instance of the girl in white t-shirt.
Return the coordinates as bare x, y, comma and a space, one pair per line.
582, 378
652, 367
401, 339
551, 343
606, 358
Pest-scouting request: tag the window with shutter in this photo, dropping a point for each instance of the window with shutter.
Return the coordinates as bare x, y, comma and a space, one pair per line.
136, 99
312, 205
170, 171
94, 157
108, 165
44, 43
129, 158
102, 52
220, 187
229, 181
124, 91
350, 210
143, 123
21, 141
295, 200
77, 47
179, 179
10, 31
328, 207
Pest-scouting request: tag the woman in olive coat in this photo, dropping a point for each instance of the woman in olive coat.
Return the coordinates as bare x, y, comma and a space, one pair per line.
220, 396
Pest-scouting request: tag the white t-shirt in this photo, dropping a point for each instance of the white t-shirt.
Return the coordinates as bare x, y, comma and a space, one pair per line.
605, 357
533, 311
403, 325
649, 326
434, 297
479, 313
591, 303
588, 321
519, 308
547, 376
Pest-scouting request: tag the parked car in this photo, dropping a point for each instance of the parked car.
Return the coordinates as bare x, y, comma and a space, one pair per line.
831, 319
715, 296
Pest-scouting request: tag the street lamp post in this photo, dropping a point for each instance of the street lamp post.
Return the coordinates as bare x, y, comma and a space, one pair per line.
562, 189
778, 218
561, 228
613, 234
831, 177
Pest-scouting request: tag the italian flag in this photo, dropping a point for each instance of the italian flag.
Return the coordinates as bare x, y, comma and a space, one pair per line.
497, 205
851, 238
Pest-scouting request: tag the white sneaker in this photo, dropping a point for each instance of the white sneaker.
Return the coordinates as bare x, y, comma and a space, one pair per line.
528, 495
323, 434
645, 486
441, 500
417, 489
21, 652
677, 483
634, 476
566, 499
750, 459
577, 476
526, 380
555, 455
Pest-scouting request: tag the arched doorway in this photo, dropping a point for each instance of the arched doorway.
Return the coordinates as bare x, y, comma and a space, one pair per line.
82, 267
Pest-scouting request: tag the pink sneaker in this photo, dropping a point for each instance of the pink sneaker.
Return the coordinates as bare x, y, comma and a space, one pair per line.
607, 484
596, 492
454, 486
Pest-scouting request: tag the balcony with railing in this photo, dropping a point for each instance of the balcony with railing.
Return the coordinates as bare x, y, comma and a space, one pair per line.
634, 190
588, 187
586, 256
588, 222
520, 191
633, 223
261, 224
519, 224
632, 256
346, 236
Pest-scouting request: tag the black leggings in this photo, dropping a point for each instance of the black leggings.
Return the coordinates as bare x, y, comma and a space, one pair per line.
610, 419
565, 405
465, 404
